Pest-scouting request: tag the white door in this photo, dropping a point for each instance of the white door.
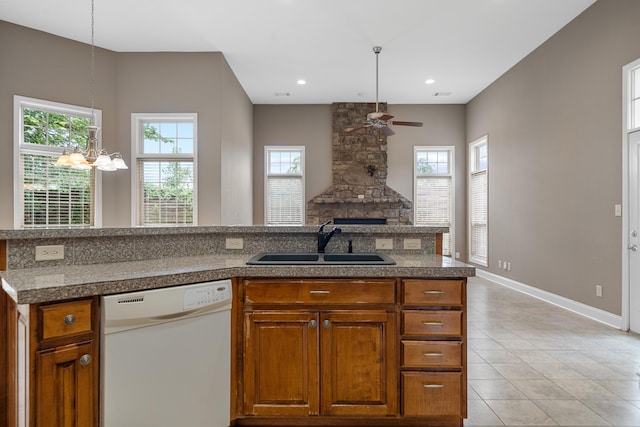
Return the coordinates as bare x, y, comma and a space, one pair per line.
633, 237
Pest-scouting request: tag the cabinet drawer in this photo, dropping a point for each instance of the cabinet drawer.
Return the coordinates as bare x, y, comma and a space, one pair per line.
431, 354
320, 292
432, 394
432, 292
68, 318
432, 323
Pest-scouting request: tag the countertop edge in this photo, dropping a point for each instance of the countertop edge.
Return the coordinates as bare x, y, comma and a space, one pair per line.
48, 285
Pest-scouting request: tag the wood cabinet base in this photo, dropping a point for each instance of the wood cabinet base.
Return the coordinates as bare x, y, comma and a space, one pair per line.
349, 422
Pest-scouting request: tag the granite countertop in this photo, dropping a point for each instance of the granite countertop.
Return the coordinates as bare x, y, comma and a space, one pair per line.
45, 284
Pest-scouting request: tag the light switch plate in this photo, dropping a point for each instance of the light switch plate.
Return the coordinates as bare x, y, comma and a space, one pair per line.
50, 252
234, 243
384, 243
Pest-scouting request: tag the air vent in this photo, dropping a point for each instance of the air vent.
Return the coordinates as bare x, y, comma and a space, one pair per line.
442, 94
131, 300
282, 94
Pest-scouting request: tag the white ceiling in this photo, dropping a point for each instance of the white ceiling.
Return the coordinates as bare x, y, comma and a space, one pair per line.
464, 45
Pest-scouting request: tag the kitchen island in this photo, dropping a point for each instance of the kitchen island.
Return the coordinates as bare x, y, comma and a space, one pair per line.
383, 345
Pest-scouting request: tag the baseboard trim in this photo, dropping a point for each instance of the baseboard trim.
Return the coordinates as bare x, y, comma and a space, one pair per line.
585, 310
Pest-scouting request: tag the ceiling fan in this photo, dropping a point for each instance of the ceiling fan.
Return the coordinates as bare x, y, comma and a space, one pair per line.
377, 119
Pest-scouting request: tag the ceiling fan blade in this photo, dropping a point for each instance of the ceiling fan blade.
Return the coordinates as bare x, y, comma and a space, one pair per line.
385, 117
387, 131
414, 124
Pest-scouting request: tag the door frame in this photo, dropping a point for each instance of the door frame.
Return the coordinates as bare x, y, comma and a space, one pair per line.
627, 130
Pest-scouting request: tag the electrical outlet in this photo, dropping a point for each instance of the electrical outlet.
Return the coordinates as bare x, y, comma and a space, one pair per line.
234, 243
384, 243
50, 252
598, 290
412, 244
457, 255
508, 266
500, 264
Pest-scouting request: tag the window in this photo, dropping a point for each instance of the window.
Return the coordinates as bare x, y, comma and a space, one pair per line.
164, 175
478, 201
284, 185
433, 190
47, 195
635, 98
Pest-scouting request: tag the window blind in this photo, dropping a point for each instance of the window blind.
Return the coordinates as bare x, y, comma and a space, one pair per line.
165, 192
54, 196
284, 200
479, 216
433, 205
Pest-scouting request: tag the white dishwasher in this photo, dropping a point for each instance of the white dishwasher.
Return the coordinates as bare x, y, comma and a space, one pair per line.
166, 357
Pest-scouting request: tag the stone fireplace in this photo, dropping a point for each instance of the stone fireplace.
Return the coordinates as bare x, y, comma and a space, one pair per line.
359, 166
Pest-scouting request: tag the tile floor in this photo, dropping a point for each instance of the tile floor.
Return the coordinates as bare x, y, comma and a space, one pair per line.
535, 364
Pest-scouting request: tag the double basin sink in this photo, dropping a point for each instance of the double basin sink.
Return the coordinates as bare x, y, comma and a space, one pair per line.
278, 258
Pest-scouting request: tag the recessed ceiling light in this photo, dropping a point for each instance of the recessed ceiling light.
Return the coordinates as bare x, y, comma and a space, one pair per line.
302, 82
429, 81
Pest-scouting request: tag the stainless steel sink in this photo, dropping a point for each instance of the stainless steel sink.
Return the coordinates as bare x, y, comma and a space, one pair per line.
278, 258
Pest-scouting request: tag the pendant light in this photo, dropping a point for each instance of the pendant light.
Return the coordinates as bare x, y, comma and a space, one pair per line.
93, 156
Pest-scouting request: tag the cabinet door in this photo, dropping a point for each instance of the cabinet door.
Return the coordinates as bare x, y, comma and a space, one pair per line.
359, 366
281, 363
65, 389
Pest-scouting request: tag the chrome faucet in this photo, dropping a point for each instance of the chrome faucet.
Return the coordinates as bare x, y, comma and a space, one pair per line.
323, 238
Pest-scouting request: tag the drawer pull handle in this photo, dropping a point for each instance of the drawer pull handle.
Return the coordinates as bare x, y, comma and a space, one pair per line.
69, 319
433, 292
432, 323
85, 359
432, 354
433, 386
319, 292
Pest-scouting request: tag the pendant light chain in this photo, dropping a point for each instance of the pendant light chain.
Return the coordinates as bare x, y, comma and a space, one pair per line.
93, 65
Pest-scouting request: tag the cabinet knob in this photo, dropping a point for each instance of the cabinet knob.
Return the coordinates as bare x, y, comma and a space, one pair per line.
85, 359
69, 319
312, 323
326, 323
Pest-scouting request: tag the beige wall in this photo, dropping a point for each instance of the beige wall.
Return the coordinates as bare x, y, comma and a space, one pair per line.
307, 125
236, 171
134, 83
554, 123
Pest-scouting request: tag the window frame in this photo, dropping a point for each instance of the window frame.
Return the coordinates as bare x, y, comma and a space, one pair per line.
20, 147
451, 174
284, 148
137, 120
475, 168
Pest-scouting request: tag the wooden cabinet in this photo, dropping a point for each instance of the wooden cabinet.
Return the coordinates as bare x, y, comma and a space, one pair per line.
332, 351
347, 352
55, 364
433, 348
